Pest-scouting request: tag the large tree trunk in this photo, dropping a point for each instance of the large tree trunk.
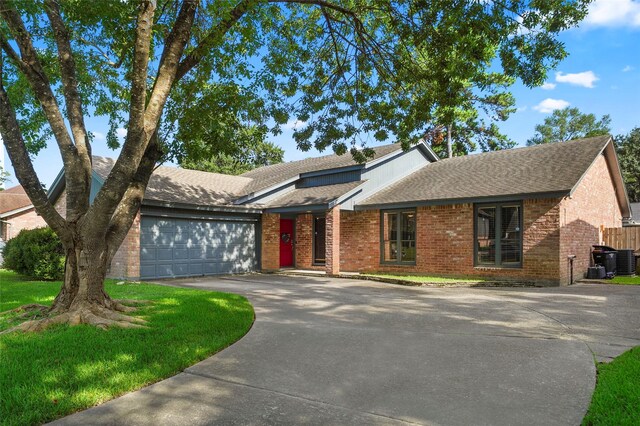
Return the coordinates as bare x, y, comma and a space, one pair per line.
82, 299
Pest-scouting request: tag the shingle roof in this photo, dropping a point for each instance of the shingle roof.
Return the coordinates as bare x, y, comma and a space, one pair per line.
13, 198
317, 195
635, 211
267, 176
549, 168
176, 185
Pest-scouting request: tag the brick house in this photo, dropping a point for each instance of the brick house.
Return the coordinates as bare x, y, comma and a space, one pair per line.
517, 214
17, 213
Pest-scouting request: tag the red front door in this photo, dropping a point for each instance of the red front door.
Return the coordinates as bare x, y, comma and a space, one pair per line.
286, 243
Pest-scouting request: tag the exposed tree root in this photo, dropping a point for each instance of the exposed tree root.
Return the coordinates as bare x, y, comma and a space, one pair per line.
27, 309
133, 301
96, 315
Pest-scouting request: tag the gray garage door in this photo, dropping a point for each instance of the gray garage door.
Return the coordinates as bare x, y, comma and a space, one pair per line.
183, 247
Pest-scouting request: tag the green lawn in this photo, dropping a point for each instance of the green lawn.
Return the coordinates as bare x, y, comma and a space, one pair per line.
426, 278
627, 280
616, 400
64, 369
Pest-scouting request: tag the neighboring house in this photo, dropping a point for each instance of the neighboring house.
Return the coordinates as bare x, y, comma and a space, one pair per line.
17, 213
514, 214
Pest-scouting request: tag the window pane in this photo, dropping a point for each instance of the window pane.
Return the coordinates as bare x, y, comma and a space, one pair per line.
486, 235
511, 235
408, 228
390, 235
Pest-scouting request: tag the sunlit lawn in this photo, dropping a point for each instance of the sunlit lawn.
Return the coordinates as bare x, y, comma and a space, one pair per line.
427, 279
64, 369
616, 399
627, 280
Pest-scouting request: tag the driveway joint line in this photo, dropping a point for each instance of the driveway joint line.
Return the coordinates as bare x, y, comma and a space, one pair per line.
315, 401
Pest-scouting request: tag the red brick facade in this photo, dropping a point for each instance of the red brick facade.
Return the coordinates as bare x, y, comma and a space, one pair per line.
270, 242
590, 208
126, 261
445, 242
12, 225
333, 241
304, 242
553, 229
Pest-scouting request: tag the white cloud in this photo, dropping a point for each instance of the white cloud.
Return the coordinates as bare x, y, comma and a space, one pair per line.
548, 86
521, 109
121, 132
98, 136
294, 124
584, 79
549, 105
614, 13
627, 68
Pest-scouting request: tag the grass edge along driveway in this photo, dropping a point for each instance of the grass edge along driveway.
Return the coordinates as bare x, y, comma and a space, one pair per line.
47, 375
616, 398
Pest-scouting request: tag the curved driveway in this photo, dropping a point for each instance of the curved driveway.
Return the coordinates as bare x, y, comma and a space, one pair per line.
327, 351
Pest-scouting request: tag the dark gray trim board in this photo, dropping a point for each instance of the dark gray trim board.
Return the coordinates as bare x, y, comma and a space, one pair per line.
198, 214
299, 209
229, 209
507, 198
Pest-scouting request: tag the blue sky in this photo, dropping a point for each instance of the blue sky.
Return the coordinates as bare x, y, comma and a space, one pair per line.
600, 76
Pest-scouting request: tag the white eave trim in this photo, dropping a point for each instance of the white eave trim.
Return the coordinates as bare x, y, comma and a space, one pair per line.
16, 211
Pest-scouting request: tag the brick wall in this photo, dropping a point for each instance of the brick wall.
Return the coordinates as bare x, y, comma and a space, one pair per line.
270, 242
359, 240
126, 261
592, 206
333, 239
445, 242
303, 244
27, 219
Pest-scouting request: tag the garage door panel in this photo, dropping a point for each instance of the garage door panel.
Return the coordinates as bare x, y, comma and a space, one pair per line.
181, 269
180, 253
147, 254
183, 247
196, 269
148, 271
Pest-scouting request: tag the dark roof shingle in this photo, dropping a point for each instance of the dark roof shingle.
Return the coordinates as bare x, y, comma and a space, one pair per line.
317, 195
13, 199
267, 176
176, 185
550, 168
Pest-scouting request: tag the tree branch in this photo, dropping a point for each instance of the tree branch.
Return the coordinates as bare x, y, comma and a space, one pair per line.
142, 128
30, 65
127, 210
195, 56
26, 174
75, 115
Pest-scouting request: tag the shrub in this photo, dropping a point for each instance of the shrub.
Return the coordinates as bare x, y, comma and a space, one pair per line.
36, 253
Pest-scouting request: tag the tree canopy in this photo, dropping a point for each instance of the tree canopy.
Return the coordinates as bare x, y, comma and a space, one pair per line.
569, 123
628, 150
353, 71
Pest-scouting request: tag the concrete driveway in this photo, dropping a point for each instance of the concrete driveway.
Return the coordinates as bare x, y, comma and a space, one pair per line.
327, 351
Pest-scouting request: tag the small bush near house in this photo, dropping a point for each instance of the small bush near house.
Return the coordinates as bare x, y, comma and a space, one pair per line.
36, 253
